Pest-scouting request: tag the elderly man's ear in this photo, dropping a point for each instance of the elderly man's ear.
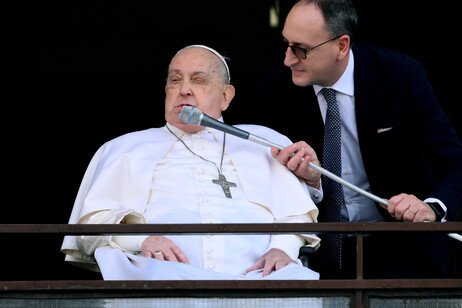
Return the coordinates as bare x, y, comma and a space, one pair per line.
228, 95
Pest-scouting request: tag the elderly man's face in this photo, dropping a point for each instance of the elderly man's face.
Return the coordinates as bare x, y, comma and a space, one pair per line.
194, 80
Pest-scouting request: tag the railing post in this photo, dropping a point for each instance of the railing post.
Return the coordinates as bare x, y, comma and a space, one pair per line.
359, 267
359, 256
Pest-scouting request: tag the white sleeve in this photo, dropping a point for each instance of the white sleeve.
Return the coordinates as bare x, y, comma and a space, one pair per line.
316, 194
445, 209
291, 243
131, 243
87, 244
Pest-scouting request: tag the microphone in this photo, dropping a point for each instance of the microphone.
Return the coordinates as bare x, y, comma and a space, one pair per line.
193, 116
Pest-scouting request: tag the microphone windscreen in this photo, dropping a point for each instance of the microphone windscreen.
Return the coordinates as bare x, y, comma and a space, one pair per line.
191, 115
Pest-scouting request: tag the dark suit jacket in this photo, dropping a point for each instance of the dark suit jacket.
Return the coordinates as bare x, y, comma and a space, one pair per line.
421, 153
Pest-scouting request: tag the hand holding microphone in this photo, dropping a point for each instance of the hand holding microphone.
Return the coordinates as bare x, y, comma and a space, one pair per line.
297, 157
193, 116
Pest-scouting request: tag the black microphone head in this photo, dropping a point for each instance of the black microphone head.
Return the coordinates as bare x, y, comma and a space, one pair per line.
191, 115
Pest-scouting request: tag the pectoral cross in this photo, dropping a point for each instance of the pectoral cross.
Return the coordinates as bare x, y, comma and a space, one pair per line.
225, 185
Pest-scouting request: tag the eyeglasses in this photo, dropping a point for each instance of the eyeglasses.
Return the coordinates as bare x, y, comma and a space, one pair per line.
300, 52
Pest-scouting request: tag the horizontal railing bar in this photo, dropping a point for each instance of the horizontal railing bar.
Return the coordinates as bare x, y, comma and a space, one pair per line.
97, 229
357, 284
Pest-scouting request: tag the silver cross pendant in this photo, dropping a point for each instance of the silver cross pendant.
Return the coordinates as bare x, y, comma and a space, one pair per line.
225, 185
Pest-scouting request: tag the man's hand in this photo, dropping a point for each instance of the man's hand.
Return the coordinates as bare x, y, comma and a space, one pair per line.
301, 150
274, 259
409, 208
165, 248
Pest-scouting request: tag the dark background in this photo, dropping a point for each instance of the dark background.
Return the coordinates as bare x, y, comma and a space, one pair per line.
82, 72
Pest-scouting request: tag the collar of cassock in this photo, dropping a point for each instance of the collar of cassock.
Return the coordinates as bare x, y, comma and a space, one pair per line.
218, 135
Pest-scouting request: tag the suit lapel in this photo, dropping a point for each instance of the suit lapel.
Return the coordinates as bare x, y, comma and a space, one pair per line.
368, 98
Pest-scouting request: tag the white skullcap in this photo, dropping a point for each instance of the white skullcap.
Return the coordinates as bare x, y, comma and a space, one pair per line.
216, 53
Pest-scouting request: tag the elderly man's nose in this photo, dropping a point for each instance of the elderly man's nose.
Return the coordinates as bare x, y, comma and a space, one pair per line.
186, 88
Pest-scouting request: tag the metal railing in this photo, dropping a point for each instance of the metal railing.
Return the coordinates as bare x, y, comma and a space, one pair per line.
358, 289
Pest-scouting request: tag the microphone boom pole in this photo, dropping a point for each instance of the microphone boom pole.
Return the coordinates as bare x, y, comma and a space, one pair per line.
193, 116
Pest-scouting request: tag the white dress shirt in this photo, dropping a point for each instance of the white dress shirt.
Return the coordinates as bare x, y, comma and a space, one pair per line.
357, 208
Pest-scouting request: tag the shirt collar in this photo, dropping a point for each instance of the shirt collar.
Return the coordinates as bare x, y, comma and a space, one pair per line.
216, 133
345, 84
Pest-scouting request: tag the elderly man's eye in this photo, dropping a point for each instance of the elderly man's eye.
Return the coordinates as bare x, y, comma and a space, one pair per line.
173, 79
198, 79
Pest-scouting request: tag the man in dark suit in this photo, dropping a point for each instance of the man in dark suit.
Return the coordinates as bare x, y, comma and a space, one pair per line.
396, 141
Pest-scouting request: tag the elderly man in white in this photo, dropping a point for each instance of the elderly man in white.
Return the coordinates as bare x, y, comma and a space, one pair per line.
170, 175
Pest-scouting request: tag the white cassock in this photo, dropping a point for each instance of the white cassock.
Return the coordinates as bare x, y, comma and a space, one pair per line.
151, 177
